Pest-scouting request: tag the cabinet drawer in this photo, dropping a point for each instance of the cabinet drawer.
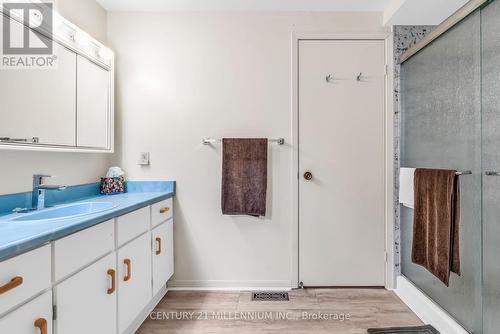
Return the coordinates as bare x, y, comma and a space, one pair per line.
161, 211
132, 225
24, 276
80, 249
30, 318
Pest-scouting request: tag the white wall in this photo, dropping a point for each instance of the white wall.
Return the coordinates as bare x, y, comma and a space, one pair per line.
185, 76
18, 167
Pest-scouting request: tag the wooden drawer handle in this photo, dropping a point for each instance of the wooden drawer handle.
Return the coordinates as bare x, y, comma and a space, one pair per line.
112, 273
128, 263
158, 241
164, 210
15, 282
41, 324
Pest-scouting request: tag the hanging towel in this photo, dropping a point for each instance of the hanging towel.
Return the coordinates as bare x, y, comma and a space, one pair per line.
244, 176
436, 220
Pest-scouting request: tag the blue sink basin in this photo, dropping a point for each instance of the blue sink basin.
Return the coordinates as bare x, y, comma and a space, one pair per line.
66, 211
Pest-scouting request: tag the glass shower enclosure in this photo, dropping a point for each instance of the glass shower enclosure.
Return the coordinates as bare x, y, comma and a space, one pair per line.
451, 120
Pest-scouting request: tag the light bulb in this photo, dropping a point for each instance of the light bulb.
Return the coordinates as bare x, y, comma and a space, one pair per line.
35, 18
105, 53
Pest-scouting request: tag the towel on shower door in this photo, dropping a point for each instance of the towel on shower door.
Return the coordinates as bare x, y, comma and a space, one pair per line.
436, 220
244, 176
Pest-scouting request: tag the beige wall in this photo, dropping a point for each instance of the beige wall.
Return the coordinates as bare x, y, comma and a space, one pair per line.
184, 76
87, 14
17, 167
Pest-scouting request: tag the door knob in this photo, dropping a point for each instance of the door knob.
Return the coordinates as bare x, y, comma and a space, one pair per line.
308, 176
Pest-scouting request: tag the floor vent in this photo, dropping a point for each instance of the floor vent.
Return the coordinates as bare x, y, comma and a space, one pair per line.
270, 296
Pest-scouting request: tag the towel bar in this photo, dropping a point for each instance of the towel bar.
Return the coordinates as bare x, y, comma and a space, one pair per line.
467, 172
208, 141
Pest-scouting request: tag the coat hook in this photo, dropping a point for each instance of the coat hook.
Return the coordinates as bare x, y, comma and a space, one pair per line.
359, 76
329, 78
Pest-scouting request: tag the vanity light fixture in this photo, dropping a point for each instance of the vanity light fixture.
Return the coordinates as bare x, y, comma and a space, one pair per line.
105, 53
61, 28
82, 38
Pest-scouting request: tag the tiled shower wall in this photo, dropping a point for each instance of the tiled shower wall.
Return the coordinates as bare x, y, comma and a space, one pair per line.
404, 38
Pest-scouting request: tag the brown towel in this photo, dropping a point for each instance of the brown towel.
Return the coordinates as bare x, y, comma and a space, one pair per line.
244, 176
436, 222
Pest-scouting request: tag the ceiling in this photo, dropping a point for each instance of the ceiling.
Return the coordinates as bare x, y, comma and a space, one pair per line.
421, 12
264, 5
396, 12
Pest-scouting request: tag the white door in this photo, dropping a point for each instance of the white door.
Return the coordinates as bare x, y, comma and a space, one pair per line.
31, 318
93, 116
86, 302
163, 254
341, 145
134, 280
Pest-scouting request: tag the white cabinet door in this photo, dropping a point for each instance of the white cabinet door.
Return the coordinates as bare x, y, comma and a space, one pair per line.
86, 302
134, 280
163, 254
40, 102
93, 116
34, 317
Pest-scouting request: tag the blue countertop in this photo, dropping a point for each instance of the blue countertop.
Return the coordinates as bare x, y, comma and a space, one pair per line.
17, 237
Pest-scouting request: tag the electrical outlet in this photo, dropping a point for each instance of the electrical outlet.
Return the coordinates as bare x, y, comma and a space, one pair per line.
144, 158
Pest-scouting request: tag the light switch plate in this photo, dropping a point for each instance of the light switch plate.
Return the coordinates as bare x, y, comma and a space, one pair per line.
144, 159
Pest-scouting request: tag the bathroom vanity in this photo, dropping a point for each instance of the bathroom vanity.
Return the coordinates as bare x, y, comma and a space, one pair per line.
98, 273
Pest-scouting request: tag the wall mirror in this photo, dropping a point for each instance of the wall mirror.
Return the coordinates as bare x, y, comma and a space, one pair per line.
56, 99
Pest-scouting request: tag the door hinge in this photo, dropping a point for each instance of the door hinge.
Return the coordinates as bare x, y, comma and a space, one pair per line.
54, 312
386, 69
385, 257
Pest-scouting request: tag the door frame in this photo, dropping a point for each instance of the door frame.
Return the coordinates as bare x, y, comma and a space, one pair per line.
390, 270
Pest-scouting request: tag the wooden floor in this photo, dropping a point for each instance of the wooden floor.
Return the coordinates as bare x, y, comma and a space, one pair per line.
235, 312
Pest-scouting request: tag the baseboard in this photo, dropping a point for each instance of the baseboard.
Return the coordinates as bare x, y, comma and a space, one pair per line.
223, 285
147, 310
426, 309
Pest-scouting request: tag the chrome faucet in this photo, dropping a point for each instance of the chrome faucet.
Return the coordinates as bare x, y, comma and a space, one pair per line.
39, 189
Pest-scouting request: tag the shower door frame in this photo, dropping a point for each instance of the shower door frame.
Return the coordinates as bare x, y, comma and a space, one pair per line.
387, 37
